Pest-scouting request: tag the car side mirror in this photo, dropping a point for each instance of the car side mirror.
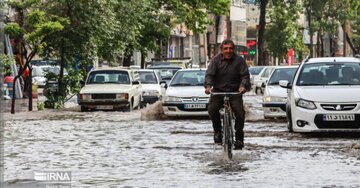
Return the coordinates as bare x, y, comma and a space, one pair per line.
263, 84
136, 82
162, 82
285, 84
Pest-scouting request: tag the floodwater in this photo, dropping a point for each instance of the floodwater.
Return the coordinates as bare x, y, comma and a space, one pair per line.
145, 149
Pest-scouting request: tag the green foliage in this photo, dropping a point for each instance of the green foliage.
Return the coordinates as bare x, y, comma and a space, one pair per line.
24, 4
40, 105
283, 29
327, 15
14, 30
6, 62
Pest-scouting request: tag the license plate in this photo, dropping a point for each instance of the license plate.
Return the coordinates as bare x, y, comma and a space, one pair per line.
104, 107
339, 117
195, 106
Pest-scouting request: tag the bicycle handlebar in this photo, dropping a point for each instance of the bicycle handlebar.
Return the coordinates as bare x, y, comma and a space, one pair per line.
225, 93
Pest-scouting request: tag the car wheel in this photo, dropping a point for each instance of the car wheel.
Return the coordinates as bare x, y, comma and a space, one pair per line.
83, 108
130, 107
139, 104
289, 119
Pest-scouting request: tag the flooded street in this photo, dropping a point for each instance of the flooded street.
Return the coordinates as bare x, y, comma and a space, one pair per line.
144, 149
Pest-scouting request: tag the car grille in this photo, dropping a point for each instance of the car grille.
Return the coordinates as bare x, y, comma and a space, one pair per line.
195, 99
103, 96
321, 124
338, 107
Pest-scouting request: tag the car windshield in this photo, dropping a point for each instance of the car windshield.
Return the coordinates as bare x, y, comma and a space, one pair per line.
189, 78
166, 73
255, 70
108, 77
336, 73
148, 78
43, 70
282, 74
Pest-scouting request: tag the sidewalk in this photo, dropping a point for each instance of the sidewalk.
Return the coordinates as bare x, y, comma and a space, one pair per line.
22, 105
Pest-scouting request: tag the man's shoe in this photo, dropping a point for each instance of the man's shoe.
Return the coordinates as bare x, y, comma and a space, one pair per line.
238, 145
217, 138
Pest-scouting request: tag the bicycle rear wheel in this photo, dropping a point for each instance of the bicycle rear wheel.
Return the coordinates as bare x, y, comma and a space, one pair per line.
228, 134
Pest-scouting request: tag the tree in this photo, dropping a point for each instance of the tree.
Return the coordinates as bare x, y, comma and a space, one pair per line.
325, 16
30, 32
163, 14
261, 32
282, 28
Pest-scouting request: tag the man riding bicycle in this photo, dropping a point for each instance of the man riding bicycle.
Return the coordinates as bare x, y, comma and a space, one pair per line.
227, 72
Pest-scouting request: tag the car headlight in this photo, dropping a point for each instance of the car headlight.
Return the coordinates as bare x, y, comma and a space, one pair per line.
305, 104
172, 99
85, 96
151, 93
122, 96
274, 99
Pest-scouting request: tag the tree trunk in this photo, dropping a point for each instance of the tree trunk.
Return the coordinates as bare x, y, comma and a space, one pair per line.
127, 60
261, 33
142, 65
29, 84
308, 13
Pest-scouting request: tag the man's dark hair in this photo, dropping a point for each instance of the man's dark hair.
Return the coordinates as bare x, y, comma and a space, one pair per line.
227, 41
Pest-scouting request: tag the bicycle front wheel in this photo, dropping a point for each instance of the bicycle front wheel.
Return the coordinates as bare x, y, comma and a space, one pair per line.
228, 134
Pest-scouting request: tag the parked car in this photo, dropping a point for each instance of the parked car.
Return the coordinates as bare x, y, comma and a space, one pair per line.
111, 89
185, 94
151, 89
324, 95
39, 73
274, 99
166, 71
261, 78
254, 71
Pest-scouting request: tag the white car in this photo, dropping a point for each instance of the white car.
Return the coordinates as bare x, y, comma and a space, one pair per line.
261, 78
324, 96
274, 98
254, 71
185, 94
111, 89
166, 72
151, 89
39, 72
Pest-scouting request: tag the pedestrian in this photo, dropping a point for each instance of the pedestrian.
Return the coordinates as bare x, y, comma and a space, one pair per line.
227, 72
27, 82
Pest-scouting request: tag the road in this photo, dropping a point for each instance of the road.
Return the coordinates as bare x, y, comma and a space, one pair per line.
143, 148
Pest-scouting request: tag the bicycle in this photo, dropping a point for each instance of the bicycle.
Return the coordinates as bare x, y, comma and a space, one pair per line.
228, 126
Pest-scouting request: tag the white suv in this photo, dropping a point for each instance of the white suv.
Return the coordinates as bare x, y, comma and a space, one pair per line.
111, 89
324, 95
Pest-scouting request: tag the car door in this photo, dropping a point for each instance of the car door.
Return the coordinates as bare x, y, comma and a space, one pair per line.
136, 88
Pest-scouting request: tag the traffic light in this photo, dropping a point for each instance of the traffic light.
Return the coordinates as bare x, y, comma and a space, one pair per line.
252, 52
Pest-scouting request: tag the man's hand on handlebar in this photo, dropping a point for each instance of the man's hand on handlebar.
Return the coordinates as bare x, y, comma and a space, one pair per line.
208, 90
242, 90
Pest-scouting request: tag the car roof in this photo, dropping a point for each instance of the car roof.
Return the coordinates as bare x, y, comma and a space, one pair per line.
193, 69
285, 67
112, 68
332, 59
145, 70
164, 66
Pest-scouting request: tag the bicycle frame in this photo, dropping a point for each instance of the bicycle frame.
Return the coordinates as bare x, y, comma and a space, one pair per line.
228, 127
